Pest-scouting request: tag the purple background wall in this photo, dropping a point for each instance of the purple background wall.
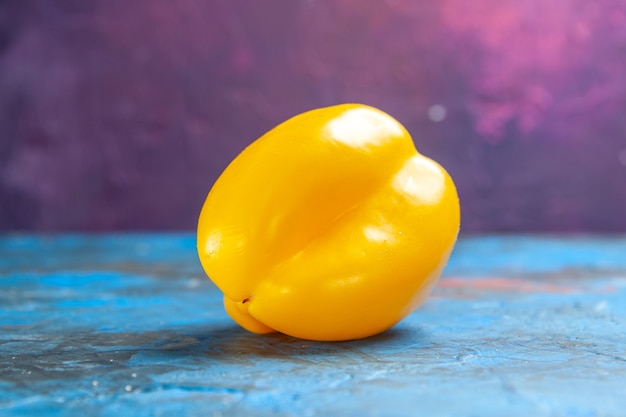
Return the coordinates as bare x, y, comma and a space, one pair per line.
119, 114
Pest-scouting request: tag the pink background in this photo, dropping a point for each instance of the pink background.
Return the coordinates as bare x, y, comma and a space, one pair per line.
118, 114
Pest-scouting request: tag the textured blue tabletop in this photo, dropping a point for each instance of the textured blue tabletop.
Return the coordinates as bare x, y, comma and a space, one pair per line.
129, 325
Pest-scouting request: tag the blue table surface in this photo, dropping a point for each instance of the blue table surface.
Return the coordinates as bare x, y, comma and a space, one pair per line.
129, 325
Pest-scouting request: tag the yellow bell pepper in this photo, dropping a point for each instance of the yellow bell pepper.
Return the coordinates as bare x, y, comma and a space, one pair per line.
331, 226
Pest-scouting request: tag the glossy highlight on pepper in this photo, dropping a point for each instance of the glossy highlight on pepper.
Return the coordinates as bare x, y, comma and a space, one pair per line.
331, 226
